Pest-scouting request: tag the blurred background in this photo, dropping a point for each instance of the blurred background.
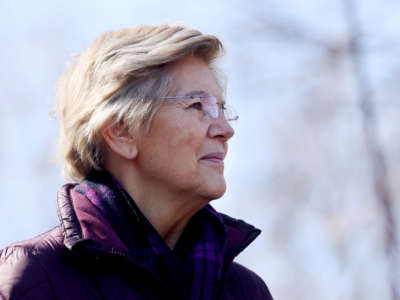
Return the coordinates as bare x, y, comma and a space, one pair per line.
315, 162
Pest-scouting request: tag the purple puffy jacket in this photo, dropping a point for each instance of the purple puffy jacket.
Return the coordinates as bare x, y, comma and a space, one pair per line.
66, 263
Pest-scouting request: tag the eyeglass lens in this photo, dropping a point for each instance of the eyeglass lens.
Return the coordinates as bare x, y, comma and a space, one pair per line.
212, 107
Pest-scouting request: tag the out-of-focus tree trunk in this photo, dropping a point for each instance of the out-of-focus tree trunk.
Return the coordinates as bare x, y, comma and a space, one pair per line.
379, 167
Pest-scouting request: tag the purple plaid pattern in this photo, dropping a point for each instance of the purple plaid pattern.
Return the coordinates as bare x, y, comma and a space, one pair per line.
205, 262
193, 267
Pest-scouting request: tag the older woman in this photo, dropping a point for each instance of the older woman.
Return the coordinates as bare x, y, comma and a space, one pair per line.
143, 134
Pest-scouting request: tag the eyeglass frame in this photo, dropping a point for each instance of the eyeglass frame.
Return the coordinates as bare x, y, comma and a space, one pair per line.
222, 106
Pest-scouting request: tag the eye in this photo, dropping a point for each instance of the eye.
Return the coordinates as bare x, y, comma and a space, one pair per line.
196, 105
222, 105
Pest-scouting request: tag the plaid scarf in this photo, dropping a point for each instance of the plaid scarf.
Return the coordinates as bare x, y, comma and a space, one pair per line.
192, 269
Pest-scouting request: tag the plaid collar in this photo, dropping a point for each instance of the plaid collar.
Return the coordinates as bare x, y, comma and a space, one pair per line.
195, 265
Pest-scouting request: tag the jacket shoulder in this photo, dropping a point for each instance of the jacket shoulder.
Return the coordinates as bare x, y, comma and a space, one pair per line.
244, 284
22, 273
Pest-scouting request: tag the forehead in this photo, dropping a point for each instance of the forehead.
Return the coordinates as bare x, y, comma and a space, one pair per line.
191, 74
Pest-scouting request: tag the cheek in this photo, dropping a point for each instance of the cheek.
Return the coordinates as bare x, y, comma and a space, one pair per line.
173, 150
185, 136
184, 148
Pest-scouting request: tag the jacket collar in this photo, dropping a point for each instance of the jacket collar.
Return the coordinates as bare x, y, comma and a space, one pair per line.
239, 235
87, 231
83, 224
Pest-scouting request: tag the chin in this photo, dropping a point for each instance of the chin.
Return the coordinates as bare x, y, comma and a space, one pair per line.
215, 191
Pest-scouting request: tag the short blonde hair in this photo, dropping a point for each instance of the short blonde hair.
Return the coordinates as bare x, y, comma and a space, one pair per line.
119, 77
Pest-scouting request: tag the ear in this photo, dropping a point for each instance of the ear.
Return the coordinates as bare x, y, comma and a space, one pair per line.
120, 141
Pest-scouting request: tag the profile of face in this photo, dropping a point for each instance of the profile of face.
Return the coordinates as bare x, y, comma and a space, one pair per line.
184, 149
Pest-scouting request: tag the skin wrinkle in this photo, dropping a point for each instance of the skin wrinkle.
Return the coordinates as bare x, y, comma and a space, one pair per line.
167, 177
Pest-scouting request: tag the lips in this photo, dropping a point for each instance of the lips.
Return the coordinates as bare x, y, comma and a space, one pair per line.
215, 157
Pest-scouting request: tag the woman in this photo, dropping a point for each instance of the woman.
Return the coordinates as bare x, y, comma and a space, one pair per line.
143, 133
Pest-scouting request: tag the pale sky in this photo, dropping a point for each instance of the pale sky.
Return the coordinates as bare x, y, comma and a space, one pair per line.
267, 77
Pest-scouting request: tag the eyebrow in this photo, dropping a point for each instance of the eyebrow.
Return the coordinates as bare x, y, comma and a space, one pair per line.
196, 93
199, 93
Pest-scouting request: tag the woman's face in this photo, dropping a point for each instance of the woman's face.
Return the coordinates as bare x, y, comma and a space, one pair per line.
184, 149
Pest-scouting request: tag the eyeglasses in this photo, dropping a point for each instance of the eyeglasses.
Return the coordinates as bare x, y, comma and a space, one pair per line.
209, 105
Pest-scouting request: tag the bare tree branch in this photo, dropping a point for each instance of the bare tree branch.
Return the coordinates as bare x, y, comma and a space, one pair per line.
376, 154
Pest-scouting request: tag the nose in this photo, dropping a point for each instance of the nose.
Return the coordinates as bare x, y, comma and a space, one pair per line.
221, 129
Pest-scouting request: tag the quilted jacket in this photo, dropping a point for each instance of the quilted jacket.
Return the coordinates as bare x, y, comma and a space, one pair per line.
82, 258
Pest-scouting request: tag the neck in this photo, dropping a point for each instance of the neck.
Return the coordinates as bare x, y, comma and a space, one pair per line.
168, 212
